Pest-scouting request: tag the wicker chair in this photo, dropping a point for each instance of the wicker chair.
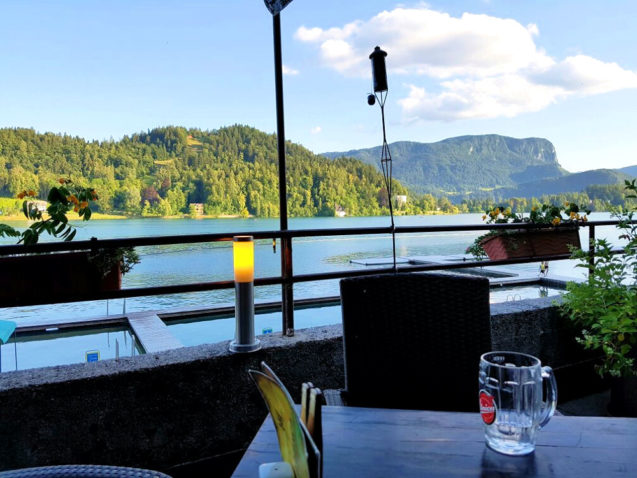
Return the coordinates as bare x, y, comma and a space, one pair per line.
413, 341
82, 471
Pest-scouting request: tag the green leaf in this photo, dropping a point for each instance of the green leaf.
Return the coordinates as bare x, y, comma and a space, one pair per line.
30, 237
8, 231
55, 195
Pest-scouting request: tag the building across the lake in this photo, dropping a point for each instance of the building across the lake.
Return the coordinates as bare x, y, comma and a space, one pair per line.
197, 207
401, 199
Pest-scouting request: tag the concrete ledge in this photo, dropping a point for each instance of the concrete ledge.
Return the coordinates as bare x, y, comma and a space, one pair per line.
155, 410
536, 327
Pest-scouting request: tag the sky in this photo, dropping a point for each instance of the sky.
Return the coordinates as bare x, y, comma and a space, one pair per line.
565, 71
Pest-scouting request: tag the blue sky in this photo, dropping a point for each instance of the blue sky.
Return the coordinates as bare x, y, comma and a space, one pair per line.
565, 71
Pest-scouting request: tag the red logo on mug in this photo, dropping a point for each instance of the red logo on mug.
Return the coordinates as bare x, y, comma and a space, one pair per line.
487, 408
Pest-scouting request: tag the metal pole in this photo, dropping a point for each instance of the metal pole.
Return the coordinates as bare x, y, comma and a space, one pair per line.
386, 163
287, 293
591, 247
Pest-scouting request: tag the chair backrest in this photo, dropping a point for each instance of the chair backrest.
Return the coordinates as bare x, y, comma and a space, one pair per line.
414, 340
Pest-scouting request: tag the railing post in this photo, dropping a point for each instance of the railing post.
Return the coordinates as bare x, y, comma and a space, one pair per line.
287, 291
591, 247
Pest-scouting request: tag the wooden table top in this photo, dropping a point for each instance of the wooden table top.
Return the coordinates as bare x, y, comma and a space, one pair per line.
370, 443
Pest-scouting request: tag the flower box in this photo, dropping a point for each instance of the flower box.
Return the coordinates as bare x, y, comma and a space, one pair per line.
530, 243
53, 278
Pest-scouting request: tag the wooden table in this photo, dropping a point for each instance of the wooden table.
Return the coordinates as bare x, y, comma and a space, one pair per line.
368, 443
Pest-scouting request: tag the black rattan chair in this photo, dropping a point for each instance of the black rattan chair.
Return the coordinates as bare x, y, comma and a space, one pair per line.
413, 341
82, 471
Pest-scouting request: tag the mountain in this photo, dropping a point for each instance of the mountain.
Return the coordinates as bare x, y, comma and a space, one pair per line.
630, 170
572, 182
466, 163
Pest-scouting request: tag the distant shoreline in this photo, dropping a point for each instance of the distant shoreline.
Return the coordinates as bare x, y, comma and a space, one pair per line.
96, 216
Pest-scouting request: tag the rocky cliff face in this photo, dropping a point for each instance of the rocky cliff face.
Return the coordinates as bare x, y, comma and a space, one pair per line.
467, 163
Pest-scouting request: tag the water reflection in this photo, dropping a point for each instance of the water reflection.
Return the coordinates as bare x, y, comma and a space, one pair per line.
188, 263
497, 465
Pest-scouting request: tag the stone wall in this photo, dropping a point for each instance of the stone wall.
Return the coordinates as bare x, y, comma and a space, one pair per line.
165, 409
535, 326
155, 410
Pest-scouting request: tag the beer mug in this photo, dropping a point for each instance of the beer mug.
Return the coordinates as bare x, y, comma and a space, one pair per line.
511, 404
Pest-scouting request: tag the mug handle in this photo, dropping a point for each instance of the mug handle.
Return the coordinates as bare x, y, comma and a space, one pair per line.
551, 396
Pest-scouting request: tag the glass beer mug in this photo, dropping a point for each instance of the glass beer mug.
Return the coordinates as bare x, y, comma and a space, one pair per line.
511, 404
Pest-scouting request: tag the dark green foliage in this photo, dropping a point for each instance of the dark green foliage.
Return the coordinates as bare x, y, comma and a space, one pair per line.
61, 200
605, 305
106, 259
8, 231
231, 171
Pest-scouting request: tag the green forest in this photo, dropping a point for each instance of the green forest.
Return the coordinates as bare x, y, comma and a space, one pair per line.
230, 171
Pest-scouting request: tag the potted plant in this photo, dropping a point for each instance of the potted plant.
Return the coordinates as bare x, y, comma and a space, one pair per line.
75, 275
557, 230
605, 307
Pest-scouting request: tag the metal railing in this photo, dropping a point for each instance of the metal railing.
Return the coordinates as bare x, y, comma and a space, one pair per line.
286, 278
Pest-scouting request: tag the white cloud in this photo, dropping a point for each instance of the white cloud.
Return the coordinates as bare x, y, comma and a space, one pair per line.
289, 71
425, 41
533, 29
502, 96
587, 76
316, 130
482, 66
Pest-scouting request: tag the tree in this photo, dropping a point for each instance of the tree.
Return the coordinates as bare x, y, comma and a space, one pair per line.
177, 200
127, 199
150, 195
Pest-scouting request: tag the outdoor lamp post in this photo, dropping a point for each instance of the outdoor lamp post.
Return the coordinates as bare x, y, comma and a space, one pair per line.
243, 253
379, 77
287, 293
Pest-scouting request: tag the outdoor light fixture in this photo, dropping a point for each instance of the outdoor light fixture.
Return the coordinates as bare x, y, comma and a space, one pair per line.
243, 252
379, 77
379, 71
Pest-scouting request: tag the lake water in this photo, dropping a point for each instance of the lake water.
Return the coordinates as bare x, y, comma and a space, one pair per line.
181, 264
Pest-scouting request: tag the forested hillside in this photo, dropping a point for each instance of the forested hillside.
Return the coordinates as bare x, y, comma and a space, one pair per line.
570, 182
232, 171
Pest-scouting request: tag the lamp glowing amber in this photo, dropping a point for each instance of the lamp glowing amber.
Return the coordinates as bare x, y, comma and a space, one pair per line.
243, 251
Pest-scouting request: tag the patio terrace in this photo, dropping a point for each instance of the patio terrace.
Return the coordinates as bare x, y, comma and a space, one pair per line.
190, 409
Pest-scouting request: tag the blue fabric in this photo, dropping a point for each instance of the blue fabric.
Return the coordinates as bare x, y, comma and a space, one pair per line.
6, 329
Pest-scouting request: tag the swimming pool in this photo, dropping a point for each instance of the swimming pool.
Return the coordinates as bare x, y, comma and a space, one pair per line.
216, 328
66, 346
49, 347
